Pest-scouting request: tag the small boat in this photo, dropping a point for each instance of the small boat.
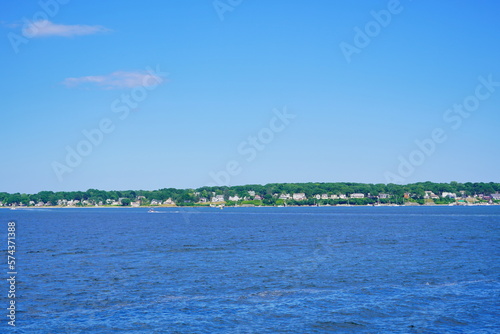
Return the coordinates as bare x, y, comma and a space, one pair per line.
151, 210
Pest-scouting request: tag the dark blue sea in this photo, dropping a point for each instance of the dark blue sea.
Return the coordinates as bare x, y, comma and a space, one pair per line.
255, 270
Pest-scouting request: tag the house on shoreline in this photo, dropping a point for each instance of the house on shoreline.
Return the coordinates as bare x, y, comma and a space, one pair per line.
299, 197
217, 199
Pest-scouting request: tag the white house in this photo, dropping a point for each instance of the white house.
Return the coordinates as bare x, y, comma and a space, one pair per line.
299, 197
447, 194
218, 198
235, 198
285, 196
257, 198
155, 202
384, 196
169, 202
251, 193
357, 195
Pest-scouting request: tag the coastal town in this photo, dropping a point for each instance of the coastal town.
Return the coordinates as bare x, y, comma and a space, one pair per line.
318, 194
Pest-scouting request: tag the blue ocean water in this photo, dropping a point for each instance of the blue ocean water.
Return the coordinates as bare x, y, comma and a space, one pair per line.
256, 270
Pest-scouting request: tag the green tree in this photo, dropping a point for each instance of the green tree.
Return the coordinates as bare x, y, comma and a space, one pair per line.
126, 201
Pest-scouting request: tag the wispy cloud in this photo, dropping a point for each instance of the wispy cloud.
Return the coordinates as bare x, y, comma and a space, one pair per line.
45, 28
10, 25
119, 79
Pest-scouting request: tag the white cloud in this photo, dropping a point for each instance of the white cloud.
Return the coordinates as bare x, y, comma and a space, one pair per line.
119, 79
45, 28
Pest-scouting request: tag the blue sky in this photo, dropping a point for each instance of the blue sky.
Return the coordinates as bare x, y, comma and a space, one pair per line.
359, 83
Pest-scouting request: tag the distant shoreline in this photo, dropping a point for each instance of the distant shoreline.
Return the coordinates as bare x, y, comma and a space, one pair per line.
239, 206
272, 194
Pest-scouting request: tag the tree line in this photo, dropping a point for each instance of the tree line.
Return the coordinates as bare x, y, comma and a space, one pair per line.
268, 192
